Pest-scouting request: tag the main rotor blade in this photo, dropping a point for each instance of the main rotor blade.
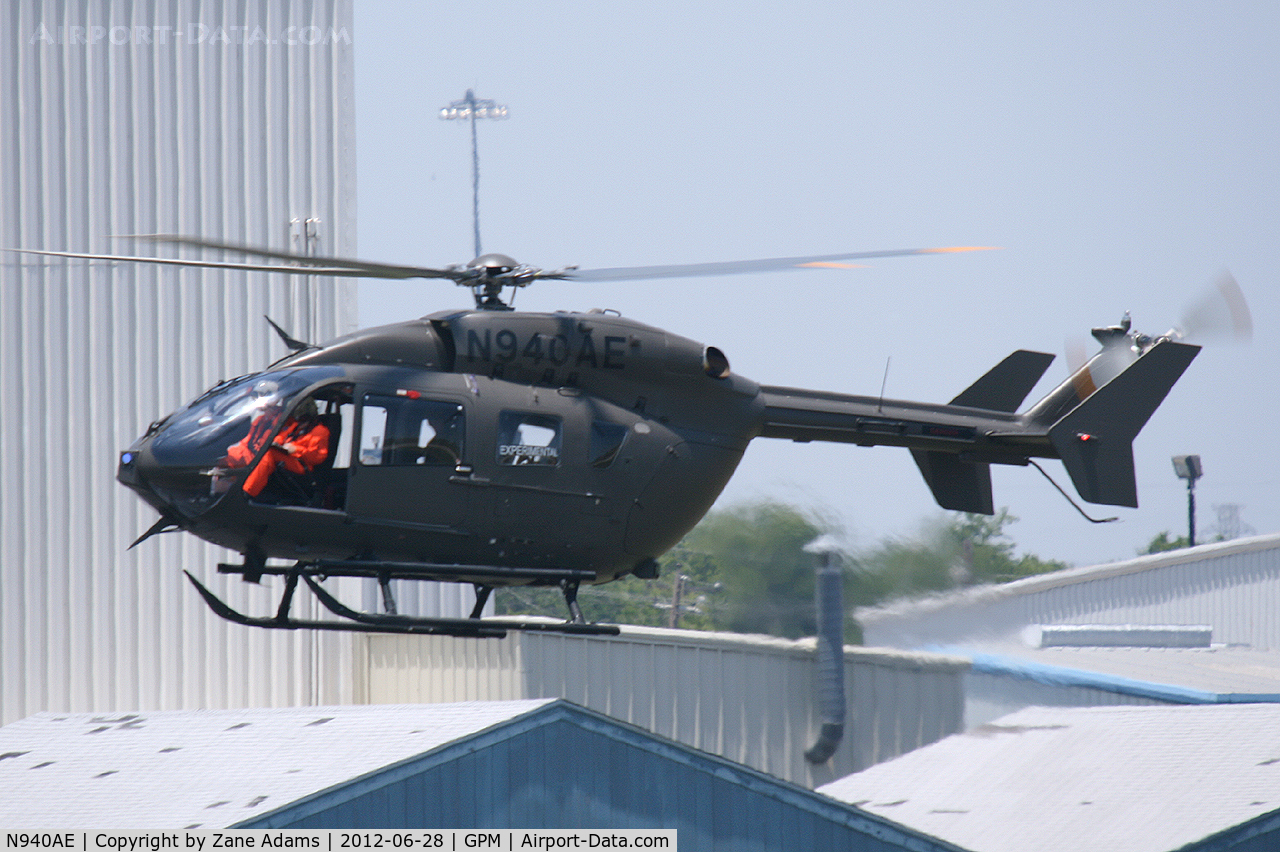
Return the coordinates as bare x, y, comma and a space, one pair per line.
336, 267
736, 267
373, 270
297, 264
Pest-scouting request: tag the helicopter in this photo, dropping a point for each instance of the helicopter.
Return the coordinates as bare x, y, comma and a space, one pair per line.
495, 447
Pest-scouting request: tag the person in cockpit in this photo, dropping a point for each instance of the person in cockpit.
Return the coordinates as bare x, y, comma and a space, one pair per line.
301, 445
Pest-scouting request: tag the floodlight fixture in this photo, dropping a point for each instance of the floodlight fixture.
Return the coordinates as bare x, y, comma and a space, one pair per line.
1190, 469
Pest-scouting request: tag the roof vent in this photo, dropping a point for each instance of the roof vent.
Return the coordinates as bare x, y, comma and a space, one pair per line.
1119, 635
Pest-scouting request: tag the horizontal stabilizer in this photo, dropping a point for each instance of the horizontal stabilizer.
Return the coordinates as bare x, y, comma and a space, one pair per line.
957, 485
1006, 385
1095, 440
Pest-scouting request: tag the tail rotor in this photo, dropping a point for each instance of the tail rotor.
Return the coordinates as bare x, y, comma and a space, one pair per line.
1219, 313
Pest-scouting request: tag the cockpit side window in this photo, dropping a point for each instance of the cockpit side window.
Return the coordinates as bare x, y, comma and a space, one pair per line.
528, 439
200, 435
402, 431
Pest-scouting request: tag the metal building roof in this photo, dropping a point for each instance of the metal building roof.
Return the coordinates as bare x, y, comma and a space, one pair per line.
514, 764
1143, 779
1218, 584
210, 768
1067, 577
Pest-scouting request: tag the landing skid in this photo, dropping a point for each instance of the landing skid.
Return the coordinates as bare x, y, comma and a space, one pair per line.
391, 622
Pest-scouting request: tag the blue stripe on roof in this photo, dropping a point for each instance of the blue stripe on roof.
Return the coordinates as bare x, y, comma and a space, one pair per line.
1051, 675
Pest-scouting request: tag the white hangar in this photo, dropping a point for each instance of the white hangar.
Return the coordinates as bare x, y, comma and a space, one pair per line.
750, 699
142, 118
1225, 585
1090, 779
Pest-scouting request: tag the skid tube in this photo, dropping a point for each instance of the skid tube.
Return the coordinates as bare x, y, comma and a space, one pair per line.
390, 622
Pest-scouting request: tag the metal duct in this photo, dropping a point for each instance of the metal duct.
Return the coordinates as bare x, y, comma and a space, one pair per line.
829, 599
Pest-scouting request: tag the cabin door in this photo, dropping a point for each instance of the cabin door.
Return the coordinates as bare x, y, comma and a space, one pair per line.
406, 450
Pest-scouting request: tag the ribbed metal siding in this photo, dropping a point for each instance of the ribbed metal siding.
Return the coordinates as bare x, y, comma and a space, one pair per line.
213, 139
748, 701
1231, 587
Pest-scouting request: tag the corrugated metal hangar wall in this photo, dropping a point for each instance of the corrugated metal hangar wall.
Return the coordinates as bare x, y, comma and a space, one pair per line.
749, 699
223, 119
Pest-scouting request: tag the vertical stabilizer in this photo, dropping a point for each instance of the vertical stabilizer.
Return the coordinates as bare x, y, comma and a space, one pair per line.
1095, 439
1006, 385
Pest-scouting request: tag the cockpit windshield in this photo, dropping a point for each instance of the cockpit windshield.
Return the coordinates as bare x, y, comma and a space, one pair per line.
201, 434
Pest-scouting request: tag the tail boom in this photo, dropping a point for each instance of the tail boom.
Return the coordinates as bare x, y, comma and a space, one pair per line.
955, 445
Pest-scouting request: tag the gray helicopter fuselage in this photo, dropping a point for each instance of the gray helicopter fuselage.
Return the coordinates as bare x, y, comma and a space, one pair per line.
589, 442
636, 433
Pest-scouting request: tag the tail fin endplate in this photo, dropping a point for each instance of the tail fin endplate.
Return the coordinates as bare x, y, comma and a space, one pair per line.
956, 485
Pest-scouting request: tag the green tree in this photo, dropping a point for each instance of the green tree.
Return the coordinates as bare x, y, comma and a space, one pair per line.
744, 570
1162, 543
990, 552
756, 552
956, 550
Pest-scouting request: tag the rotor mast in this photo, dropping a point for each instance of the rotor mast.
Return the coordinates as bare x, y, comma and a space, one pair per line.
471, 108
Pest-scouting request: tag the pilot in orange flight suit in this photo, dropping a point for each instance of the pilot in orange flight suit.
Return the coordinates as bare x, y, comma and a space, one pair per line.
302, 444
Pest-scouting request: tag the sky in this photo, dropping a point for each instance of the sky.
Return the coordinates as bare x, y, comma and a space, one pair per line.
1120, 155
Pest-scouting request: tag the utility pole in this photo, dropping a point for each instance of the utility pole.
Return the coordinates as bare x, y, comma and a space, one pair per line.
1230, 526
673, 618
470, 108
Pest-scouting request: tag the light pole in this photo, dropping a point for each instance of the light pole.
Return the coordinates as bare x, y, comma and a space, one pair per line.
470, 108
1188, 468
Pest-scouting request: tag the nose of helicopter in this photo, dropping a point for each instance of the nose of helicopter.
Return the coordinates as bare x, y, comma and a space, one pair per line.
175, 490
187, 462
127, 470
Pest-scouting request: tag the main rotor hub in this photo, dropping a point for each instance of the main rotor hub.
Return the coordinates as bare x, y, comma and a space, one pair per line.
493, 264
489, 273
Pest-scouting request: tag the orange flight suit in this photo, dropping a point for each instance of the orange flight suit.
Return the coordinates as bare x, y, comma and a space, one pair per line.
240, 454
298, 448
